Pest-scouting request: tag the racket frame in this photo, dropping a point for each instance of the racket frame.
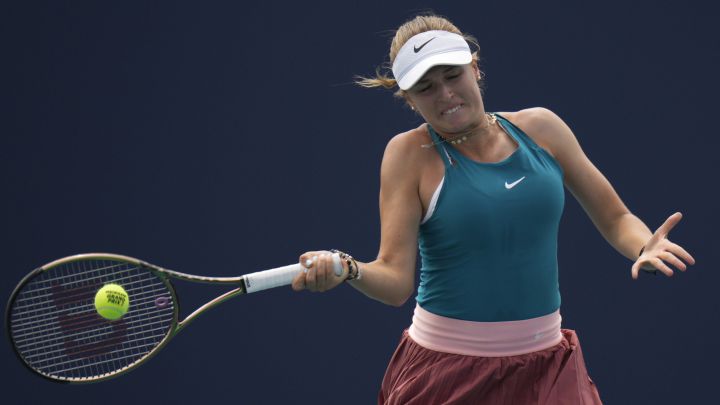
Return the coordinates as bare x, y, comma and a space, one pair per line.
164, 274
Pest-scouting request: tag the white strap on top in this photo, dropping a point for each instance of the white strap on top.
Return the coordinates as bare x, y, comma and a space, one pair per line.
433, 201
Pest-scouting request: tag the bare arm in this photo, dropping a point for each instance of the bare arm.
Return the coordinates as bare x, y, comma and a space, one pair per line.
623, 230
390, 278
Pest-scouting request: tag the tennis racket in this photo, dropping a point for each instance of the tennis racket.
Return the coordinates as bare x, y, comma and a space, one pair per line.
57, 332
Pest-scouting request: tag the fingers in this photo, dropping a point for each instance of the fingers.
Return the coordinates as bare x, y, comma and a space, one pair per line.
311, 275
670, 258
659, 250
679, 251
635, 269
658, 258
307, 259
319, 275
669, 224
659, 265
298, 283
653, 262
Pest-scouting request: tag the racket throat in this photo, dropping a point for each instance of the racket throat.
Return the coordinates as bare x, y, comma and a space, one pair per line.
211, 304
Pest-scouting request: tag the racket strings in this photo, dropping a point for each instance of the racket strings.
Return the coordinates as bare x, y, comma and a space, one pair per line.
57, 331
61, 351
74, 293
44, 324
108, 364
62, 334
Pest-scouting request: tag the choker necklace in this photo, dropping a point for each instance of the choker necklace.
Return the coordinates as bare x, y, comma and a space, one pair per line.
491, 120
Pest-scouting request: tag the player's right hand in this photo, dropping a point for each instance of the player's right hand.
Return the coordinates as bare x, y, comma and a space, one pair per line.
319, 274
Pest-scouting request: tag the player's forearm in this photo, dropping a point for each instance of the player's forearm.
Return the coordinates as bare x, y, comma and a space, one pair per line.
628, 234
383, 283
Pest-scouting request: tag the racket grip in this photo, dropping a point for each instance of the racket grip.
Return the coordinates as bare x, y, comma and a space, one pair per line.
280, 276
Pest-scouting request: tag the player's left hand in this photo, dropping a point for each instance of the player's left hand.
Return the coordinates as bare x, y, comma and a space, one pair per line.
659, 250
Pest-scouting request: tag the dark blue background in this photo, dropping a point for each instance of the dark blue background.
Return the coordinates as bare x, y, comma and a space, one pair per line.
218, 139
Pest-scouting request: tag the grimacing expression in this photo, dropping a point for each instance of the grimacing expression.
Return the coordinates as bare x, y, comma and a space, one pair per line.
448, 97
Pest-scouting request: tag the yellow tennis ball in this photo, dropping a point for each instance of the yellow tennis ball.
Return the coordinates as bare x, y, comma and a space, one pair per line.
112, 302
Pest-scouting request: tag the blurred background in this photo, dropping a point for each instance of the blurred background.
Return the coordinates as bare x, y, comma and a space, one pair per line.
220, 138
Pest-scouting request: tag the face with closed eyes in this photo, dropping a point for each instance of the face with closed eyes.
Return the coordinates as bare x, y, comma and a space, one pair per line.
449, 99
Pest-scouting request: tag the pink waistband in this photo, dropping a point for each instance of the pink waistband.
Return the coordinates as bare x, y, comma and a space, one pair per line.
486, 339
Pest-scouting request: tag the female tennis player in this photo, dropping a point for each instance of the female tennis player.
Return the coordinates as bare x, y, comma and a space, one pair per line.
481, 195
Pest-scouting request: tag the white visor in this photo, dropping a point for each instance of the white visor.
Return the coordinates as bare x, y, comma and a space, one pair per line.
426, 50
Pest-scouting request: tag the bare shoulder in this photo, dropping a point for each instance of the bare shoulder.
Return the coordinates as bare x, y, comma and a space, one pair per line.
407, 147
411, 139
544, 127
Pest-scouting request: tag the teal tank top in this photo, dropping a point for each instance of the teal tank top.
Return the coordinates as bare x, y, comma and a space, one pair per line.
489, 249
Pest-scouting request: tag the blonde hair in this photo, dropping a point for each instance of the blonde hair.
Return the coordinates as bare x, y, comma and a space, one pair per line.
409, 29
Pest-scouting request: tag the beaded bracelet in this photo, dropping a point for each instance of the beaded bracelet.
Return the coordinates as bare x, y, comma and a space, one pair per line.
353, 268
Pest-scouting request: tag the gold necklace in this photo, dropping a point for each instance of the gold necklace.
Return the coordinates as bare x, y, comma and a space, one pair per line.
491, 120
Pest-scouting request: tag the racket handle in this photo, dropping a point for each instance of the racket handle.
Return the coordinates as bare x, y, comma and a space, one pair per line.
280, 276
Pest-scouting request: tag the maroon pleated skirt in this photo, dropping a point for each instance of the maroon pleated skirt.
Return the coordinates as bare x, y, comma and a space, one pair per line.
553, 376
